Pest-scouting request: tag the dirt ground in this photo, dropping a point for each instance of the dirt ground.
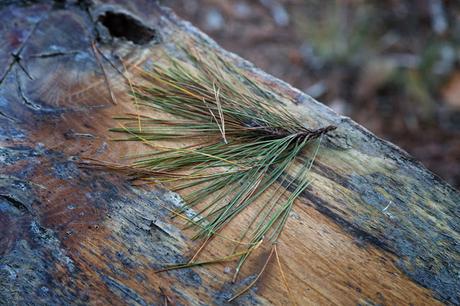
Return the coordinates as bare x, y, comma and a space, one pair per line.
392, 66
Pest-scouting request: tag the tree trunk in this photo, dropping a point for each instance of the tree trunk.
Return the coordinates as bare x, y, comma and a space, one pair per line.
374, 227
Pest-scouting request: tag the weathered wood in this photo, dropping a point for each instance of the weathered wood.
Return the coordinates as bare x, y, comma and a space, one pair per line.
375, 227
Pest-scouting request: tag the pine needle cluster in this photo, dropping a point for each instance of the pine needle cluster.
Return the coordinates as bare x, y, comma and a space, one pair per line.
236, 145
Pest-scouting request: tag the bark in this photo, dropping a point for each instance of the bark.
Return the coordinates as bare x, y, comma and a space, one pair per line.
375, 226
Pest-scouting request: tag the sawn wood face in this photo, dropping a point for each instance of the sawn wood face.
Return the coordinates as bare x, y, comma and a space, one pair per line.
375, 227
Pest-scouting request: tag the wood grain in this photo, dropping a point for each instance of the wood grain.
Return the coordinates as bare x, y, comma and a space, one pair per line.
375, 227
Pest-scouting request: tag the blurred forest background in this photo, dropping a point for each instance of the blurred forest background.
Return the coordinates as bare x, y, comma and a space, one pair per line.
393, 66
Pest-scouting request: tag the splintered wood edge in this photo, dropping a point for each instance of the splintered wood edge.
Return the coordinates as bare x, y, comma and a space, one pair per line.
359, 235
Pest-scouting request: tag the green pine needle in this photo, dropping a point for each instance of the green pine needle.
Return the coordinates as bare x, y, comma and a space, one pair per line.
233, 144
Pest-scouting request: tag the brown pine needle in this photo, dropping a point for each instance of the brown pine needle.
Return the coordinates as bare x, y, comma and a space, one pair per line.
202, 263
291, 297
219, 109
197, 253
106, 78
257, 277
136, 104
217, 122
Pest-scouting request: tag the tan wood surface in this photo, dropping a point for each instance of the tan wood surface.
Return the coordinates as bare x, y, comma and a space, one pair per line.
375, 227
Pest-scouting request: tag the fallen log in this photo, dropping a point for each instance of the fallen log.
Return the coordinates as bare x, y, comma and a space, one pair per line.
373, 227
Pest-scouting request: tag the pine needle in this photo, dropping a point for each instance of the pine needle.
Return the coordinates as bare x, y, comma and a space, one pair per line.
255, 279
207, 262
291, 297
233, 144
136, 104
96, 52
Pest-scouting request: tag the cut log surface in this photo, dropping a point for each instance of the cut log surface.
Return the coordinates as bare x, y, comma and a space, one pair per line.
374, 227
